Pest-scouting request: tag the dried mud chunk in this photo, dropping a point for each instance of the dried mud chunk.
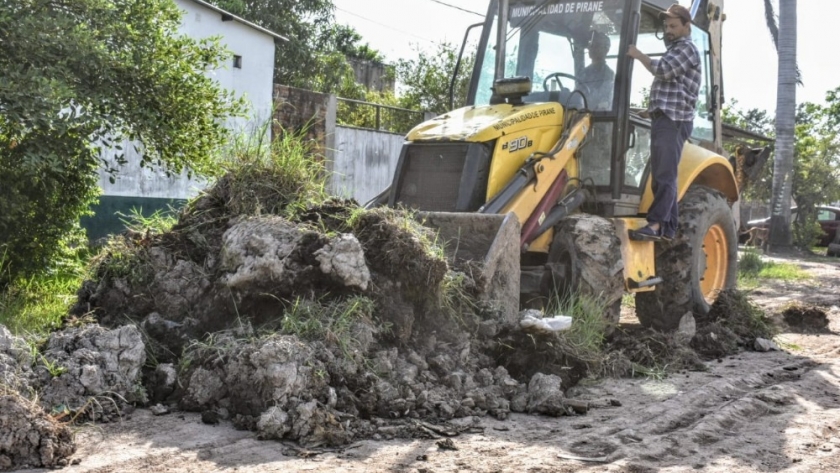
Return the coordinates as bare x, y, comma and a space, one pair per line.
94, 361
178, 289
344, 260
398, 246
29, 437
254, 252
545, 395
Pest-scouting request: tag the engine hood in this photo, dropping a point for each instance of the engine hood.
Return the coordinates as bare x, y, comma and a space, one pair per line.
487, 122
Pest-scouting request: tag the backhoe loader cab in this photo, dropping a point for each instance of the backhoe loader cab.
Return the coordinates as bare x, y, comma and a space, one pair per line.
554, 137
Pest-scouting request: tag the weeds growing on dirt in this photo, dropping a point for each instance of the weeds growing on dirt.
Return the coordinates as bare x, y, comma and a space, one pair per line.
121, 257
333, 322
280, 178
734, 310
161, 221
750, 263
455, 298
585, 339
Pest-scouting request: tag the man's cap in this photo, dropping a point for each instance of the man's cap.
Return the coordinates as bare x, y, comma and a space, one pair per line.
676, 11
599, 39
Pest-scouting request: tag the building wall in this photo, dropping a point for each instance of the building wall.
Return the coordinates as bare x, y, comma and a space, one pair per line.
304, 111
253, 81
141, 187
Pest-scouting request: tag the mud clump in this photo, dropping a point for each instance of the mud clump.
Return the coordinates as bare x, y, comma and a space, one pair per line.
92, 372
15, 362
732, 324
716, 340
806, 319
29, 437
641, 349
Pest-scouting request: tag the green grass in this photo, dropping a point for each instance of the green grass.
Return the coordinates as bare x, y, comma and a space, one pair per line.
784, 272
39, 303
333, 322
585, 339
280, 178
819, 250
159, 222
752, 269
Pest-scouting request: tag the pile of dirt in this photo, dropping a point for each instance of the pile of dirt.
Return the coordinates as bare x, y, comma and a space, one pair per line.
29, 437
732, 324
806, 319
639, 350
322, 325
15, 362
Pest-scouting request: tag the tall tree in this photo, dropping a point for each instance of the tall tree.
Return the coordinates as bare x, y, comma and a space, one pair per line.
81, 74
315, 55
785, 37
816, 171
426, 79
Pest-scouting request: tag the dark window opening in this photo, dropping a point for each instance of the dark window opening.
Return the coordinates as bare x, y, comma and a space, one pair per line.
237, 61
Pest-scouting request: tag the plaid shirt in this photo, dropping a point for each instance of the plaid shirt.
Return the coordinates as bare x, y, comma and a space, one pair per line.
676, 81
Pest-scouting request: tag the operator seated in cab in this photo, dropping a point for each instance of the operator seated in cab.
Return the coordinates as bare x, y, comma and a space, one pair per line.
598, 79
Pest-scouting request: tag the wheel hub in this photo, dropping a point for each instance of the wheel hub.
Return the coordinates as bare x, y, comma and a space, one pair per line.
714, 263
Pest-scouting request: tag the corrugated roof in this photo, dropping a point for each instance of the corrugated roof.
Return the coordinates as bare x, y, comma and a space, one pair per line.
226, 15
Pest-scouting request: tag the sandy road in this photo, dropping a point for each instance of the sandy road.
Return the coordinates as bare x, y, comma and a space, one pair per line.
752, 412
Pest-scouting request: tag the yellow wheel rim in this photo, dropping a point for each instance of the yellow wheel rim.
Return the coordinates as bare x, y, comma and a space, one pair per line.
714, 263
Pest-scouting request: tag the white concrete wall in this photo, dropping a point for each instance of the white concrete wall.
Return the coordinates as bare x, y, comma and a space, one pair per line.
254, 81
364, 162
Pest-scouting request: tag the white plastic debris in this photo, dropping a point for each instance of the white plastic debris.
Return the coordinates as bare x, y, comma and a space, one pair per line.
557, 323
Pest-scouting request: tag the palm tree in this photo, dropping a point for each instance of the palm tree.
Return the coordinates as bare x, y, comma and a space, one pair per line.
785, 38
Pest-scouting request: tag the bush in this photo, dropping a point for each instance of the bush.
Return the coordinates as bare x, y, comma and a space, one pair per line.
82, 77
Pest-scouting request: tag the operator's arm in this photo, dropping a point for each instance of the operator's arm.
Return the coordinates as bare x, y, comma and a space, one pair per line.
634, 52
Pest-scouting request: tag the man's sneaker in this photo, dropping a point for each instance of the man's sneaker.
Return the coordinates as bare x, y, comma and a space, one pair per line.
645, 234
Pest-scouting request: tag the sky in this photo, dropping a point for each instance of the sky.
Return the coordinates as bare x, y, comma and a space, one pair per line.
398, 28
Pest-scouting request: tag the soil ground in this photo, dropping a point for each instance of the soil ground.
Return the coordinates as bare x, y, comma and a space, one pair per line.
751, 412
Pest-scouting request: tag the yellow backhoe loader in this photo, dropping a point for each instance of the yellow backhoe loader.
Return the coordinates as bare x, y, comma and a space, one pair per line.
541, 176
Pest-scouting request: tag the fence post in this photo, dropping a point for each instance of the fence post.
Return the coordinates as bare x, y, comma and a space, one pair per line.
378, 112
330, 124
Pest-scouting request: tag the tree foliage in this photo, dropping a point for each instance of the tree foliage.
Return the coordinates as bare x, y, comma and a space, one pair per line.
816, 170
315, 55
816, 160
425, 80
85, 74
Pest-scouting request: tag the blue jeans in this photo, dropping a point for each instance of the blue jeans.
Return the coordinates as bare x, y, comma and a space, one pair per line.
666, 144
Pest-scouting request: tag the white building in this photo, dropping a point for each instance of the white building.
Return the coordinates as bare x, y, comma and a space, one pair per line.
249, 73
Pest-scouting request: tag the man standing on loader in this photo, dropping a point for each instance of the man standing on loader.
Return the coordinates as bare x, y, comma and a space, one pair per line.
673, 100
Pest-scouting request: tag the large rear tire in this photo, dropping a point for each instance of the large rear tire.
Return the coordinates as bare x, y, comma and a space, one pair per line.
695, 266
586, 253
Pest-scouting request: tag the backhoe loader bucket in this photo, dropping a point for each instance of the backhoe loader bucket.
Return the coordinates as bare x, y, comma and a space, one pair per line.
490, 244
